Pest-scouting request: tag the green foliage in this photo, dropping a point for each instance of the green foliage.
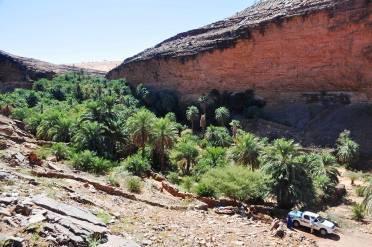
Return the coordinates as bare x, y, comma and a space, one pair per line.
359, 191
358, 212
134, 184
174, 177
104, 216
184, 153
32, 99
236, 182
291, 183
187, 183
347, 150
353, 176
137, 164
246, 150
205, 190
60, 150
192, 115
210, 158
88, 161
222, 115
218, 136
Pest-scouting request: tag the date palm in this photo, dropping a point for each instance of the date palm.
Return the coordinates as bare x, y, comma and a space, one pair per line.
192, 115
140, 126
246, 150
222, 115
164, 135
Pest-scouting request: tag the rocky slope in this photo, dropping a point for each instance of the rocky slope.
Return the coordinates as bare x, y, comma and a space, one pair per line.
104, 66
279, 48
49, 204
18, 71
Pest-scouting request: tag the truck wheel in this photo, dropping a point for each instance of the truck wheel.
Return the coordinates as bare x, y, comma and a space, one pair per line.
296, 223
323, 232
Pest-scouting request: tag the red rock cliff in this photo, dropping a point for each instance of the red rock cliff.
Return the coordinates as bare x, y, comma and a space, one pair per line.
279, 48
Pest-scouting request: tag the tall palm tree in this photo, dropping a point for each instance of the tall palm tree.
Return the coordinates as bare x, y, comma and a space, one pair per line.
246, 150
61, 130
140, 127
347, 150
235, 125
290, 182
192, 115
164, 135
222, 115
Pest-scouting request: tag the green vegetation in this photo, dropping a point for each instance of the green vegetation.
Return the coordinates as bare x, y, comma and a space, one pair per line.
107, 127
358, 212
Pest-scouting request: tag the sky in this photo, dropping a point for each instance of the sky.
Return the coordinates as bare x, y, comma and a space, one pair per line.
72, 31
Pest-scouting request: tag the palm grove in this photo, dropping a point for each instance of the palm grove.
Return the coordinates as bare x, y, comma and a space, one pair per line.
103, 127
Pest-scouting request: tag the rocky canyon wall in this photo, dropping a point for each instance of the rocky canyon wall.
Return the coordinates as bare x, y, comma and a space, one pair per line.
292, 57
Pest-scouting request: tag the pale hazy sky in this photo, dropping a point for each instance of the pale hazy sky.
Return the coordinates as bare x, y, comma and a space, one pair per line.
69, 31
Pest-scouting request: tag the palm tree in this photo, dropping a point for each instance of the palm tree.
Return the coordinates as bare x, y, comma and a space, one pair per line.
61, 130
89, 135
140, 127
50, 120
235, 125
218, 136
164, 135
192, 115
290, 182
347, 150
214, 156
203, 100
367, 192
185, 153
222, 115
246, 150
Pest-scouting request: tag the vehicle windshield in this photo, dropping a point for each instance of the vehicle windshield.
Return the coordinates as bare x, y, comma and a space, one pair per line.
320, 219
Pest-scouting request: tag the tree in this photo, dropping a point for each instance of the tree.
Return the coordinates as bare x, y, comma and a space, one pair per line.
347, 150
246, 150
192, 115
89, 135
222, 115
235, 125
185, 153
210, 158
290, 182
140, 127
32, 99
203, 101
164, 135
218, 136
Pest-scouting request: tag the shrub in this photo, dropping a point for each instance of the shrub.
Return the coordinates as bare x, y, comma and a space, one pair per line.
174, 178
88, 161
205, 190
60, 150
347, 150
134, 184
358, 212
187, 183
104, 216
353, 176
32, 99
359, 191
137, 165
236, 182
218, 136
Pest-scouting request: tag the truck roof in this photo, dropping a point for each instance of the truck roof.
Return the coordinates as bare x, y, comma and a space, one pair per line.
311, 214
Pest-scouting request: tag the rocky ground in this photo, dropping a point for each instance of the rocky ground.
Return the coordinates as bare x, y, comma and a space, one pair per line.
48, 204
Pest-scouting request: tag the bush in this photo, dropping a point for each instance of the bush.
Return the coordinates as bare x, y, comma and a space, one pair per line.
32, 99
359, 191
137, 165
60, 150
205, 190
354, 176
187, 183
236, 182
358, 212
88, 161
134, 184
174, 178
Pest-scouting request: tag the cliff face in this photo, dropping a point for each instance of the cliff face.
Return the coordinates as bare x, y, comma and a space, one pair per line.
284, 50
18, 71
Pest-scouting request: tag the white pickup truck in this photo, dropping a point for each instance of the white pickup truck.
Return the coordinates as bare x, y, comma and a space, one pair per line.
306, 218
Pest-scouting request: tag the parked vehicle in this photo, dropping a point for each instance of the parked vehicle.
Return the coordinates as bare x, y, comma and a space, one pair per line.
309, 219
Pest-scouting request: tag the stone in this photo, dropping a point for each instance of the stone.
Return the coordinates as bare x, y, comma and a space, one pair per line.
8, 200
37, 218
5, 212
12, 241
68, 210
118, 241
25, 210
